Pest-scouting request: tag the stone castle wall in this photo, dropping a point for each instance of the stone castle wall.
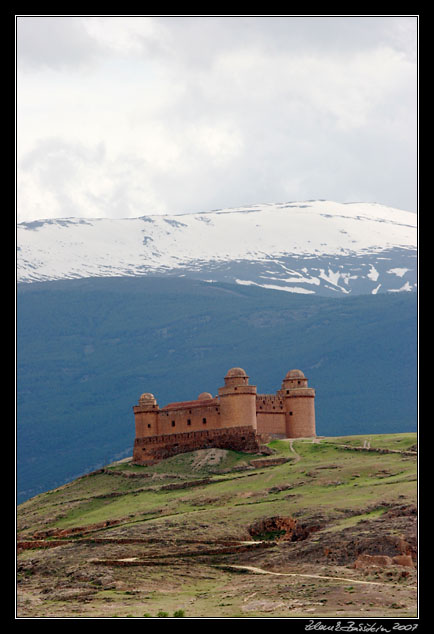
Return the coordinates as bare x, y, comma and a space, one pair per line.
153, 449
177, 418
270, 415
190, 416
235, 419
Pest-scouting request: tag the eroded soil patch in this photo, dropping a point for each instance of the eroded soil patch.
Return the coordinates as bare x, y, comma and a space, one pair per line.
281, 529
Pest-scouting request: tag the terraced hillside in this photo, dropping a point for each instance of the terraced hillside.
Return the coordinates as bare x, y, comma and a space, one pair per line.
319, 528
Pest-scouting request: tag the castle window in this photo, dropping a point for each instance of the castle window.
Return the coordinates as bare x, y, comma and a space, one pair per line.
204, 421
290, 413
188, 422
298, 382
149, 426
173, 423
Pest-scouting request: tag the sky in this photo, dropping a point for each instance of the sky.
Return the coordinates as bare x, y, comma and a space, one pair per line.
126, 116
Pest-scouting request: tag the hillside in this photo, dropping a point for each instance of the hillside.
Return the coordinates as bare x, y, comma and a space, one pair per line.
86, 350
330, 531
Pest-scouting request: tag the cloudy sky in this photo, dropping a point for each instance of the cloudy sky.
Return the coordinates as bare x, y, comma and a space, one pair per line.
124, 116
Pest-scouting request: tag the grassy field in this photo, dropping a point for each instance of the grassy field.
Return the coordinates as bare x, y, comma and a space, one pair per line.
177, 529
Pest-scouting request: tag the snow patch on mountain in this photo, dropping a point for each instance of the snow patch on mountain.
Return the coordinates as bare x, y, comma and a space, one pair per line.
305, 247
398, 272
289, 289
405, 287
373, 274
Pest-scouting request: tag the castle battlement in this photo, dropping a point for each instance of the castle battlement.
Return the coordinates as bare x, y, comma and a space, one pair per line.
237, 418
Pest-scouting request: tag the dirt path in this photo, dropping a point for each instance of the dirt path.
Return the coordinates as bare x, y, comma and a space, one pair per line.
291, 446
299, 574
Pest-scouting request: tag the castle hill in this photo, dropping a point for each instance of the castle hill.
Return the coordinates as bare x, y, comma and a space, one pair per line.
238, 418
230, 506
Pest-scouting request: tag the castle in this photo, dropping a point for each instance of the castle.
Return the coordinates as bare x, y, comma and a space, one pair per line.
237, 418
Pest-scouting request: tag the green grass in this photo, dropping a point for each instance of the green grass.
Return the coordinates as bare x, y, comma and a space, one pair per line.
355, 519
282, 447
400, 442
325, 478
332, 487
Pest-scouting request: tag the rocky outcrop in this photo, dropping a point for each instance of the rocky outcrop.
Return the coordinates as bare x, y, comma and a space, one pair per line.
267, 462
409, 452
76, 530
281, 529
382, 561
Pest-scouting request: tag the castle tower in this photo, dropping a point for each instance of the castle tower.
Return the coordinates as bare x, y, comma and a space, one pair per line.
299, 405
237, 400
146, 416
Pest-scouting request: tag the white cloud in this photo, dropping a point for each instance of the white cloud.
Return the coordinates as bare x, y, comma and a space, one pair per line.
348, 89
219, 142
60, 179
128, 115
127, 35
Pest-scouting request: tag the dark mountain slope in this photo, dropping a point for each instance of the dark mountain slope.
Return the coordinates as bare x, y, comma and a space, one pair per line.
86, 350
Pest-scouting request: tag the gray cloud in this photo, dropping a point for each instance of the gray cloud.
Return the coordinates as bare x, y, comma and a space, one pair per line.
201, 38
126, 116
57, 41
54, 42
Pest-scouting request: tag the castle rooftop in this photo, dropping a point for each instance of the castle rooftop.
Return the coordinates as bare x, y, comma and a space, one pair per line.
295, 374
233, 372
189, 404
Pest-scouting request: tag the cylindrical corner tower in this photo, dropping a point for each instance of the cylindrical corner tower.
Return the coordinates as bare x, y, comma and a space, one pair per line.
146, 416
237, 400
299, 401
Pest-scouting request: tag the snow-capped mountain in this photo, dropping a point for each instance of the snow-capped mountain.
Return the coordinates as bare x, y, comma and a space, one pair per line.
320, 247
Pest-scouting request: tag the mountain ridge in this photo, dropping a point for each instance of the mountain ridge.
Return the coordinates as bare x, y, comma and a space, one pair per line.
310, 247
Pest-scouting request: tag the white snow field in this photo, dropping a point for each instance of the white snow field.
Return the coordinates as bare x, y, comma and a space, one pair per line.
302, 245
